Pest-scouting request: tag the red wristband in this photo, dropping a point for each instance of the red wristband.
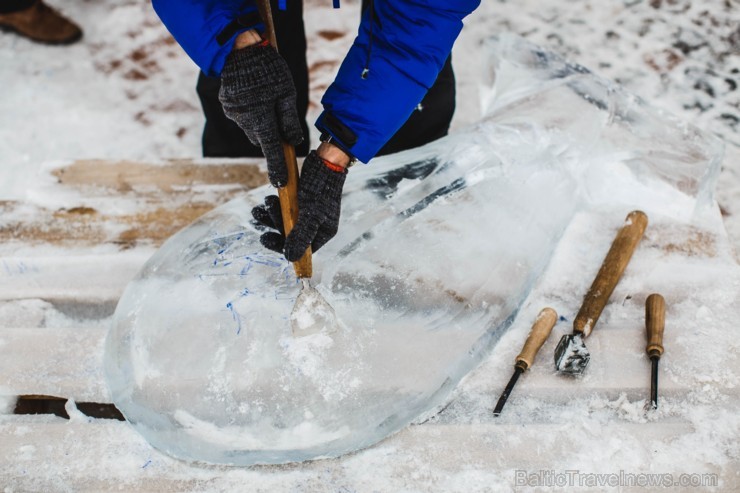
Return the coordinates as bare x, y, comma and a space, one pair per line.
334, 167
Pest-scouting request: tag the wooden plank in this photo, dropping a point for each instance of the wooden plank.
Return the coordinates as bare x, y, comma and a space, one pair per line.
29, 273
105, 455
70, 277
60, 362
170, 176
86, 226
49, 404
68, 362
159, 201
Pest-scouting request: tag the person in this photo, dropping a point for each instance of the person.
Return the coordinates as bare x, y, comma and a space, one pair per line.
38, 22
221, 137
398, 54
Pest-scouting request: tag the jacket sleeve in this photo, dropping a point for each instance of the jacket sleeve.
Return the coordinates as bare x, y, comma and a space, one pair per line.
400, 49
206, 29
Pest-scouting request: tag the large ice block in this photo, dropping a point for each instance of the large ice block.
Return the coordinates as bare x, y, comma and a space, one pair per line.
437, 249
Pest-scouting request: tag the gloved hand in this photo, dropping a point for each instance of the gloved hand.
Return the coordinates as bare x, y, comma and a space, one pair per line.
319, 204
257, 93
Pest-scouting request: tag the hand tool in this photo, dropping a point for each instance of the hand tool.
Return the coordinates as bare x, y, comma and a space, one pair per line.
537, 336
311, 312
571, 354
655, 325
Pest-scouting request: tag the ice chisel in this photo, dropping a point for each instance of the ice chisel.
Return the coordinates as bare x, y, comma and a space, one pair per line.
311, 312
537, 336
571, 354
655, 325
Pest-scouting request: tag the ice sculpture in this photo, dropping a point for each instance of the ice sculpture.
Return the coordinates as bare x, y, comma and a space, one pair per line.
437, 249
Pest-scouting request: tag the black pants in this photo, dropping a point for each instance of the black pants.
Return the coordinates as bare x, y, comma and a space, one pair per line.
8, 6
223, 138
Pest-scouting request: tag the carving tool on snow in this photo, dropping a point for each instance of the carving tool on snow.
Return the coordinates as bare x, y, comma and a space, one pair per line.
655, 325
311, 312
571, 354
537, 336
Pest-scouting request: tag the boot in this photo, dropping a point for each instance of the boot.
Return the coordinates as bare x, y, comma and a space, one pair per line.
42, 24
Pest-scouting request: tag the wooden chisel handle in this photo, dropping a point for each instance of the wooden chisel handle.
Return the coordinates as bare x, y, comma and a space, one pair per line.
610, 272
655, 324
537, 336
288, 194
289, 209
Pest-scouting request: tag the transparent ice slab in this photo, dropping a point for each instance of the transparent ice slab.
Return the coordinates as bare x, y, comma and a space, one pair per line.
437, 249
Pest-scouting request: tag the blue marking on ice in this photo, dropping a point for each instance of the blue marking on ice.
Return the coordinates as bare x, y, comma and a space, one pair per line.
18, 268
263, 260
235, 316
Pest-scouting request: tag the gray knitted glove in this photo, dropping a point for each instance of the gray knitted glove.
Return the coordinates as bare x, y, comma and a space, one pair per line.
257, 92
319, 204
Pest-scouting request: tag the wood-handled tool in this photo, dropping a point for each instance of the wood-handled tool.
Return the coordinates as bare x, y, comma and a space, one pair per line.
311, 312
571, 354
655, 325
537, 336
288, 194
289, 209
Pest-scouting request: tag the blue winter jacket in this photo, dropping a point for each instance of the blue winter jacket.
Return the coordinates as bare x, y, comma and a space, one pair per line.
395, 58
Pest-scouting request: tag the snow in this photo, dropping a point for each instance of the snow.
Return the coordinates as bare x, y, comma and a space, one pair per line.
75, 415
90, 100
7, 401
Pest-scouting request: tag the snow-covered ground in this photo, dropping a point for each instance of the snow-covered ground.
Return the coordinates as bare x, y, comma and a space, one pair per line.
127, 91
